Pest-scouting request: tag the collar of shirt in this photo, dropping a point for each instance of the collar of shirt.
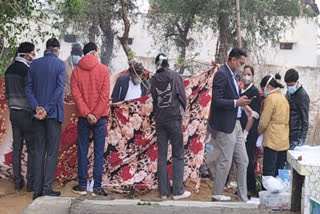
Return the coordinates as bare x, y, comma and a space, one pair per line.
233, 75
244, 90
234, 78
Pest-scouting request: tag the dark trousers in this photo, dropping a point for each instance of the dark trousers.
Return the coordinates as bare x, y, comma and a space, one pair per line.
172, 131
48, 133
251, 151
99, 134
272, 161
22, 129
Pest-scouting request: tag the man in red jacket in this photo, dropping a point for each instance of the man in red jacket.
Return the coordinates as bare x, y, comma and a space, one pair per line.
90, 91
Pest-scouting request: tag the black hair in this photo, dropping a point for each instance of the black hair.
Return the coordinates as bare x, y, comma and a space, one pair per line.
237, 53
274, 83
25, 47
76, 49
52, 43
164, 62
251, 69
291, 75
136, 68
90, 47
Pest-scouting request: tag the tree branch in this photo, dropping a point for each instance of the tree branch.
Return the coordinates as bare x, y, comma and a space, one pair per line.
125, 36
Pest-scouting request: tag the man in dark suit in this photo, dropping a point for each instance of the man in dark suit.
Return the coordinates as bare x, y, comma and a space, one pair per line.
44, 92
226, 110
130, 86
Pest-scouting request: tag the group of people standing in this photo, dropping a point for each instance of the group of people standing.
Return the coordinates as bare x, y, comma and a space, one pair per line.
35, 89
239, 115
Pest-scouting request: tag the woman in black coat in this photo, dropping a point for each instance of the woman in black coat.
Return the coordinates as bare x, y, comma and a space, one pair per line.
252, 93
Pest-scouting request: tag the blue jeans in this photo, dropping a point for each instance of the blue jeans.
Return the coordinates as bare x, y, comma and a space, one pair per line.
99, 134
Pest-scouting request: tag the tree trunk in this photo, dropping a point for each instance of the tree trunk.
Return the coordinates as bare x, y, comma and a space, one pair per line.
94, 30
225, 39
125, 36
107, 43
183, 55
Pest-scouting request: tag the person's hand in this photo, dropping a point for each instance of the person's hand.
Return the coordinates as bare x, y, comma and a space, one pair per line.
243, 101
91, 119
40, 113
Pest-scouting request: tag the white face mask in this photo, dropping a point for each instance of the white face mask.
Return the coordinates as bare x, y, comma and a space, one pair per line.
136, 80
247, 80
23, 54
239, 70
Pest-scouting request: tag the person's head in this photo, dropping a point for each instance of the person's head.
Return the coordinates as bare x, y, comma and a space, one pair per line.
237, 58
136, 72
91, 49
161, 60
76, 52
270, 83
26, 50
247, 75
54, 44
292, 80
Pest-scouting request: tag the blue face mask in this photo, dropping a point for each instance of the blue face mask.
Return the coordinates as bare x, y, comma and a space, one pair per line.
265, 93
291, 89
75, 59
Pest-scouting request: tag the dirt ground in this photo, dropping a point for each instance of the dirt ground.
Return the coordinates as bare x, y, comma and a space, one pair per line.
13, 202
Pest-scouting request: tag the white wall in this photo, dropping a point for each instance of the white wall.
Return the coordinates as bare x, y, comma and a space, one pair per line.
304, 53
305, 50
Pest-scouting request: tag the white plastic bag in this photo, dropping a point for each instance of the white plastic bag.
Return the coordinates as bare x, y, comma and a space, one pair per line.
273, 184
259, 142
90, 184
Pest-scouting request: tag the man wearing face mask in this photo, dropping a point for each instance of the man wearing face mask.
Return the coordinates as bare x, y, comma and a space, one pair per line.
130, 86
70, 63
226, 111
90, 85
20, 113
299, 109
44, 91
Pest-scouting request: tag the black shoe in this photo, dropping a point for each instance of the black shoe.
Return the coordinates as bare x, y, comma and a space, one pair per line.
100, 192
19, 186
52, 193
29, 188
81, 190
35, 196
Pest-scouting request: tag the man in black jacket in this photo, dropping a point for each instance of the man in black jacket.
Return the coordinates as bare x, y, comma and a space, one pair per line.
20, 113
169, 103
299, 109
130, 86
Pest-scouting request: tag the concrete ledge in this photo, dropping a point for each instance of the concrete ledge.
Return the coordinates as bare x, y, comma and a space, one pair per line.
49, 205
163, 207
99, 205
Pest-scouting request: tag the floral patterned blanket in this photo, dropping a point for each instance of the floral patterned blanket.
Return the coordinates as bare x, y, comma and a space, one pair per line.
130, 149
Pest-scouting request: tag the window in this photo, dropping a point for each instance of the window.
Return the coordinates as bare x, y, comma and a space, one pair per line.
286, 45
70, 38
130, 41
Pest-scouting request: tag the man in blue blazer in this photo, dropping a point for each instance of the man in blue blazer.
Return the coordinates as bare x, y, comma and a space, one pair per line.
226, 110
44, 92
